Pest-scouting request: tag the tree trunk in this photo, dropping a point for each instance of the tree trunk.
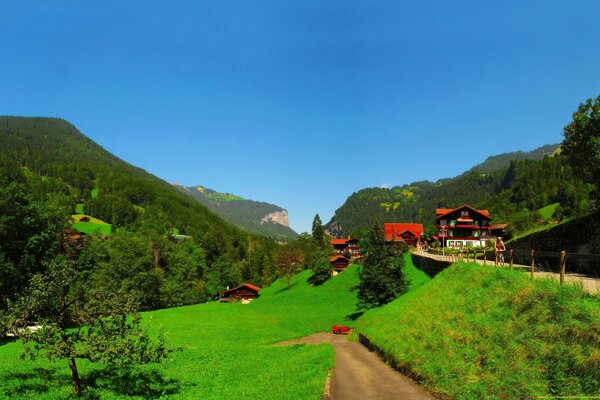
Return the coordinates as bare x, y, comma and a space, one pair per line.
75, 376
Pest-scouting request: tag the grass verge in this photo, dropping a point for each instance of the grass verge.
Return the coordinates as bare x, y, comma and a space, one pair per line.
475, 332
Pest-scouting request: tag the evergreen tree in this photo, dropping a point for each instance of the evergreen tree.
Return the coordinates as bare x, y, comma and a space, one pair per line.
381, 276
318, 233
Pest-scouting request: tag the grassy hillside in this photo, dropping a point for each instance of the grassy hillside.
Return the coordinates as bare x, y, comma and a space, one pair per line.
475, 332
226, 350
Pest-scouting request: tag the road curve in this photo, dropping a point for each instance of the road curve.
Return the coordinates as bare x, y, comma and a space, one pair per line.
359, 374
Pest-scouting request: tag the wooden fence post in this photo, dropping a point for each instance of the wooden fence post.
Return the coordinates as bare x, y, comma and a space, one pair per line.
563, 261
511, 258
484, 256
532, 262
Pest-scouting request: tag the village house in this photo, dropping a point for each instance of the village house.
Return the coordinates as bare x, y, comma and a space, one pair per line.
349, 246
244, 293
409, 234
463, 226
339, 263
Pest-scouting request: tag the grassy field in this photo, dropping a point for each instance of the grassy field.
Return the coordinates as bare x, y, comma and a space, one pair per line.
94, 225
548, 211
475, 332
226, 351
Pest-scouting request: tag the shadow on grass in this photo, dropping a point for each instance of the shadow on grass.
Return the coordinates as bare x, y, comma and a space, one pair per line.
354, 316
148, 384
34, 381
285, 287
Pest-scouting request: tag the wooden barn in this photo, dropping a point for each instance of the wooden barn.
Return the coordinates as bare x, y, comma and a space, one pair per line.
339, 263
244, 293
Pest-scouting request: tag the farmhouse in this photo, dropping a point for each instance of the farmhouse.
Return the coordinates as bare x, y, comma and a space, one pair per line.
463, 226
339, 263
244, 293
403, 233
349, 245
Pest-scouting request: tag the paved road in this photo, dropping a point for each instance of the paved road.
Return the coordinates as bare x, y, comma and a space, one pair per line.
360, 375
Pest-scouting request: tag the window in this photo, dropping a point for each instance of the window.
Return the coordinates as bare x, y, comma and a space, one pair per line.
450, 232
476, 223
475, 233
443, 222
453, 223
464, 213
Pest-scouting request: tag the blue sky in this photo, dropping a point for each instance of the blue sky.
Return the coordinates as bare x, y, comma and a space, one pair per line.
302, 103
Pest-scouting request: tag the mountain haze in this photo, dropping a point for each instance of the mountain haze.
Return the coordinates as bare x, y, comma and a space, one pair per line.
252, 216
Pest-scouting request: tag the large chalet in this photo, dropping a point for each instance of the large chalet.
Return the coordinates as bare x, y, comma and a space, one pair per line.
463, 226
349, 246
409, 234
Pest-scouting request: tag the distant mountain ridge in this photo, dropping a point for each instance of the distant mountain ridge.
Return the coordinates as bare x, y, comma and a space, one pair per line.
513, 186
253, 216
503, 160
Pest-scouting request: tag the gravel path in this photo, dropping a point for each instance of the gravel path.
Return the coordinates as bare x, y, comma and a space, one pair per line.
359, 374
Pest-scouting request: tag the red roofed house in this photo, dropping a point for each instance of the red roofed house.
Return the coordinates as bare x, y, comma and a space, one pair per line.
342, 246
339, 262
401, 232
246, 293
463, 226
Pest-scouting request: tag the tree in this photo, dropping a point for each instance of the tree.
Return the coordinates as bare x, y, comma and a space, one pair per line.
582, 141
77, 322
318, 233
381, 276
322, 271
289, 260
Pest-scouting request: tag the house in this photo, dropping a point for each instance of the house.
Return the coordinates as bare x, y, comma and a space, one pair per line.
498, 230
463, 226
244, 293
403, 233
339, 263
350, 246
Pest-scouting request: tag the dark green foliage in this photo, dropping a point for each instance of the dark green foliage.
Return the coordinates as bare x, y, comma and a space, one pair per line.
322, 271
582, 141
30, 232
381, 277
503, 160
79, 322
318, 233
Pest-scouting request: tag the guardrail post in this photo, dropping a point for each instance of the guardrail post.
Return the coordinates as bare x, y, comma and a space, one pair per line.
484, 256
511, 258
563, 261
532, 263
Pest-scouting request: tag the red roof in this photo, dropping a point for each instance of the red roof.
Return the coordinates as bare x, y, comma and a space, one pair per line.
392, 230
338, 257
248, 285
442, 212
339, 241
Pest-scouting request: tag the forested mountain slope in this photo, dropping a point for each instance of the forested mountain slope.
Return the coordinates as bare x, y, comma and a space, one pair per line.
253, 216
47, 167
512, 194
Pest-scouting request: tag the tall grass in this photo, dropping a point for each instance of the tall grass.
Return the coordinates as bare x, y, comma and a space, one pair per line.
475, 332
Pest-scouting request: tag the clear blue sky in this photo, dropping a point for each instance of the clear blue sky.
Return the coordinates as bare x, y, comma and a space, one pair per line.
301, 103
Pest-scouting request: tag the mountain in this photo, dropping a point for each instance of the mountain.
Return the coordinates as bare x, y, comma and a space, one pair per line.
503, 160
253, 216
162, 245
513, 192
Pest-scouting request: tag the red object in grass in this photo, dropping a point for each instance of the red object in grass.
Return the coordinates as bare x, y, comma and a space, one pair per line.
337, 329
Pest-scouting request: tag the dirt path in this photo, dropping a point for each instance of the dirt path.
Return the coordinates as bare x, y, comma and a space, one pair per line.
359, 374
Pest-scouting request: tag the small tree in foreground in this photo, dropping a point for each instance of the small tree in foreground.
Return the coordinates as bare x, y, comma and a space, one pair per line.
322, 271
76, 322
381, 276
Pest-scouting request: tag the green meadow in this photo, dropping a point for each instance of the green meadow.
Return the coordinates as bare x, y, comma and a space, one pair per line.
226, 350
476, 332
